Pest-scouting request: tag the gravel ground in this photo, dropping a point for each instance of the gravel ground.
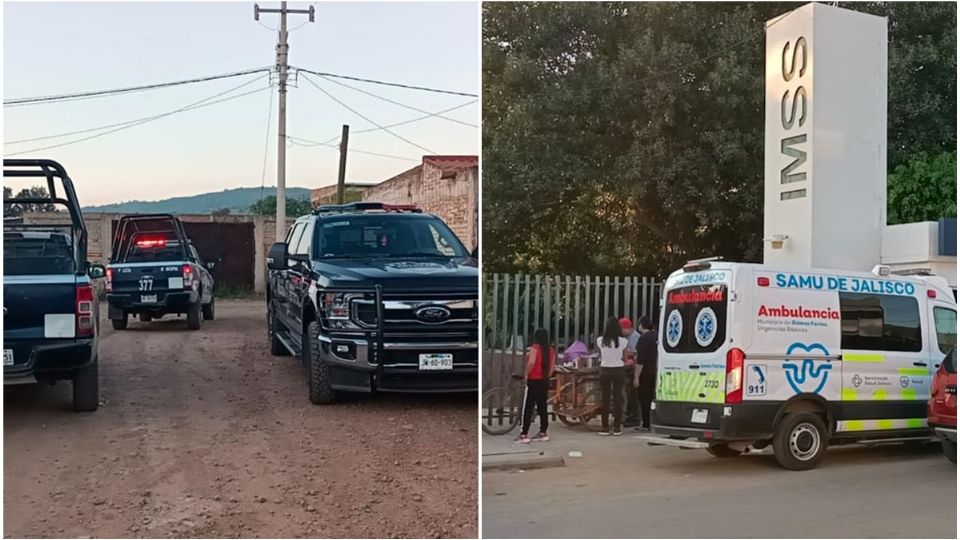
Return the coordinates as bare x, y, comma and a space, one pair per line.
204, 434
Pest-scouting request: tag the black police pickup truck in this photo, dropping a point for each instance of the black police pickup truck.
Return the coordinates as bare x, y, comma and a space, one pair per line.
51, 315
375, 297
154, 270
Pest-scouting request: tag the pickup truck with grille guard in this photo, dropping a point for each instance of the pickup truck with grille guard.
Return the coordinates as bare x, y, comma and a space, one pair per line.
154, 271
375, 297
51, 315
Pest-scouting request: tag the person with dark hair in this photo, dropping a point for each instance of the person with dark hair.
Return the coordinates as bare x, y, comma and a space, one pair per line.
645, 370
539, 368
613, 357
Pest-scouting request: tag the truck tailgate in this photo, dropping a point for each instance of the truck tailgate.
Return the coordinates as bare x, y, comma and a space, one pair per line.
147, 277
36, 307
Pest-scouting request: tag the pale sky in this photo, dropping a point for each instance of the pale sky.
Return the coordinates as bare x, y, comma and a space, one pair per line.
66, 47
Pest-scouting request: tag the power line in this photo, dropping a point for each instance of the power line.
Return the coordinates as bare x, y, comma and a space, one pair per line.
308, 143
20, 102
403, 123
385, 83
196, 105
361, 115
108, 126
266, 146
404, 105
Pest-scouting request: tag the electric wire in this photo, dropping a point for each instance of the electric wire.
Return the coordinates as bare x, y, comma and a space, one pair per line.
361, 115
404, 105
266, 146
108, 126
196, 105
385, 83
403, 123
308, 143
19, 102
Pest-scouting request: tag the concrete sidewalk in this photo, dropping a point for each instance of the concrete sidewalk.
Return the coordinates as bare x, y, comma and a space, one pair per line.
566, 447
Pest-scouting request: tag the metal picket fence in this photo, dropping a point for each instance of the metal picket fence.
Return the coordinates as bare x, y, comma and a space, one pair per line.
569, 307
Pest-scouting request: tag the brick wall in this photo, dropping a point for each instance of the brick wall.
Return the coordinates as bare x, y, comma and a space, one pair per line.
453, 199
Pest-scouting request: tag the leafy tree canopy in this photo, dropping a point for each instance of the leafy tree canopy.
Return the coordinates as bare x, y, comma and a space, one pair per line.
267, 206
628, 137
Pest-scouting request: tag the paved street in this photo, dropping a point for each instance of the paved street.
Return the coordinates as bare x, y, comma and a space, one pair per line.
205, 434
623, 488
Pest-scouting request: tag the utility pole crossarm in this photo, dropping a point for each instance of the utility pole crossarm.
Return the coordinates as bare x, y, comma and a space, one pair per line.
282, 67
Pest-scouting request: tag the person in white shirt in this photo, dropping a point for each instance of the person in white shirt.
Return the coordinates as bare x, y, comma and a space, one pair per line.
613, 357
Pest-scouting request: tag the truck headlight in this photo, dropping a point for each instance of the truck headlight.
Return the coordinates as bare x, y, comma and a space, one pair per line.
336, 309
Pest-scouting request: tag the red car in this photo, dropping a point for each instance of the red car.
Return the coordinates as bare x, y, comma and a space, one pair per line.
942, 409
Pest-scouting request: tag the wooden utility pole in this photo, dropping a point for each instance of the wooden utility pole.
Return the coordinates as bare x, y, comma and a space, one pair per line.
282, 52
342, 174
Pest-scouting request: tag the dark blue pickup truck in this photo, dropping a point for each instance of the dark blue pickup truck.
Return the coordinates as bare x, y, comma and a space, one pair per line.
154, 271
375, 297
51, 313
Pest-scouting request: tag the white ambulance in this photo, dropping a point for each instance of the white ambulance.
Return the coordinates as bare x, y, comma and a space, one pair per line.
755, 355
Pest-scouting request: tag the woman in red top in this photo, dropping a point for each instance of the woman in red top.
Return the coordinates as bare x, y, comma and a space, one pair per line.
538, 372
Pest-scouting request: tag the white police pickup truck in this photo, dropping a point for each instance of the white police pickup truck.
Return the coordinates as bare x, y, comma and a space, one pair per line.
755, 355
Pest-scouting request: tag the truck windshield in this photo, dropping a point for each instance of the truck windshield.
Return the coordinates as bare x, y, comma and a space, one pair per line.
36, 253
695, 319
385, 236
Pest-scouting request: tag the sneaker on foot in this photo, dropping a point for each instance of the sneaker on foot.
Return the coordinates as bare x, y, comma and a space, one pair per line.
522, 439
617, 433
604, 432
540, 437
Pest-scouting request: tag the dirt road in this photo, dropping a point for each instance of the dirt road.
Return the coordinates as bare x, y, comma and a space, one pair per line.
204, 434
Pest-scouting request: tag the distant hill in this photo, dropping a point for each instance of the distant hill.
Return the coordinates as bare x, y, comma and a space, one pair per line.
237, 200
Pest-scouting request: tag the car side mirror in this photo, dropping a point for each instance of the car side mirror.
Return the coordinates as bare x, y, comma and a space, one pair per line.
96, 271
277, 256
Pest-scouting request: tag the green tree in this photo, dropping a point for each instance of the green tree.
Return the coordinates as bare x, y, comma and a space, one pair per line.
628, 137
18, 209
923, 189
267, 206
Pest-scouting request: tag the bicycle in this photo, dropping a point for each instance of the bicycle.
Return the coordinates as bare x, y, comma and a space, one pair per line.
574, 398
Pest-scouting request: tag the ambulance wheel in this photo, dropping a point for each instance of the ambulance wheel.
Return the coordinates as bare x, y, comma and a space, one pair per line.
722, 451
950, 450
800, 440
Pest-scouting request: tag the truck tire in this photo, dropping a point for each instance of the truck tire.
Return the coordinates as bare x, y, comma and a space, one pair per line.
800, 441
194, 318
120, 324
145, 317
86, 388
321, 392
722, 451
208, 310
276, 347
950, 450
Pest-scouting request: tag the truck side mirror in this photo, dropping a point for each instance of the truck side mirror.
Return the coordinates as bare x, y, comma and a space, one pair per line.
96, 271
277, 256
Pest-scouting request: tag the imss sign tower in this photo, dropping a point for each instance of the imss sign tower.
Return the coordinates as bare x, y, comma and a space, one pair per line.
825, 155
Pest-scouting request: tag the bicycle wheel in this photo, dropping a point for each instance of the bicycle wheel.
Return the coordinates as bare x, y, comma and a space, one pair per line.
559, 406
500, 411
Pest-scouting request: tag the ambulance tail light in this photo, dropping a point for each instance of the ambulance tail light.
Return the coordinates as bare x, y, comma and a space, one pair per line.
734, 388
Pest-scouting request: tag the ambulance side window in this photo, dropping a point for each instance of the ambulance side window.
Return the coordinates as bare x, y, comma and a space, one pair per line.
879, 322
945, 321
